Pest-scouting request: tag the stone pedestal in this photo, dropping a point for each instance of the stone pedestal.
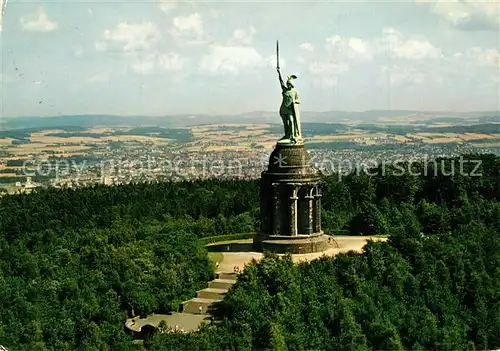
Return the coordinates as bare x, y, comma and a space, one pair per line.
290, 201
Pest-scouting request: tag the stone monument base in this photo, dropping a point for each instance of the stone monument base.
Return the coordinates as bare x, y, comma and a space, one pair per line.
300, 244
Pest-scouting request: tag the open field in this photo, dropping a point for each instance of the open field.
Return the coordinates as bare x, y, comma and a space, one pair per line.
401, 139
487, 145
6, 141
267, 145
26, 149
37, 148
101, 130
9, 175
229, 137
227, 148
230, 134
343, 137
477, 136
402, 119
42, 142
443, 140
203, 128
214, 138
44, 138
451, 137
136, 138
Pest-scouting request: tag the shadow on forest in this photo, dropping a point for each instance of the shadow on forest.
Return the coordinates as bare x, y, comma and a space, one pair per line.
233, 247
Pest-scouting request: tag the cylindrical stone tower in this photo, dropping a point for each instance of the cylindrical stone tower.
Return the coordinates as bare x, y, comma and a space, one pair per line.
290, 204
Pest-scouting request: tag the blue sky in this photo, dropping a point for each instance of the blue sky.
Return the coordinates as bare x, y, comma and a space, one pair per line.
159, 58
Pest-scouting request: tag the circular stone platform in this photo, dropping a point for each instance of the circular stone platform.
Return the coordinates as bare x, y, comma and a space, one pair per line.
242, 257
301, 244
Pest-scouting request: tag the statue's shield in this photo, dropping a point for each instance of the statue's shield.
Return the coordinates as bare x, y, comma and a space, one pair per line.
296, 120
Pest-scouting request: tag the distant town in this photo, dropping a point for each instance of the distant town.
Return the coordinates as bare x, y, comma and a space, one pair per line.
73, 156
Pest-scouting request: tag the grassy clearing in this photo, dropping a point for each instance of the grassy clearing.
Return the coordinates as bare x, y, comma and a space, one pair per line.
487, 145
215, 257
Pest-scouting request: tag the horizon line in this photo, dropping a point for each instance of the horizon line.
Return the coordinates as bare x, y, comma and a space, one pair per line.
242, 113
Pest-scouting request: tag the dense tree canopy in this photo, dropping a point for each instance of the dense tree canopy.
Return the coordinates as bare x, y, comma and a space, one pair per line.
74, 289
226, 205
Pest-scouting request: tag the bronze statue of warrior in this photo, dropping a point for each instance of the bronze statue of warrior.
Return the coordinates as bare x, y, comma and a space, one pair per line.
289, 111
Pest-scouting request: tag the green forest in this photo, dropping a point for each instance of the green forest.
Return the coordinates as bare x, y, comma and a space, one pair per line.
75, 263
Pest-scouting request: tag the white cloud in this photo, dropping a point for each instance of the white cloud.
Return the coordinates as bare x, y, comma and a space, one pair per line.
307, 47
99, 78
154, 63
473, 62
325, 82
270, 61
397, 76
393, 43
415, 59
214, 13
348, 48
129, 38
233, 59
38, 23
77, 51
171, 62
244, 35
467, 14
188, 27
360, 48
328, 68
138, 43
100, 46
167, 5
325, 74
410, 75
416, 50
145, 65
483, 57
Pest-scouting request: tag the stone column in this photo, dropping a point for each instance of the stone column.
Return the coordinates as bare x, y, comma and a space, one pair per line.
310, 211
317, 202
276, 210
265, 218
293, 211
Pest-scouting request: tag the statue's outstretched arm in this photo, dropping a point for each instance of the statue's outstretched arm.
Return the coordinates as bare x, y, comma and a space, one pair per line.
283, 86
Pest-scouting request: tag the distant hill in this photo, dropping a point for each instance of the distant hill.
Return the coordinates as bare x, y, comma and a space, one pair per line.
99, 120
186, 120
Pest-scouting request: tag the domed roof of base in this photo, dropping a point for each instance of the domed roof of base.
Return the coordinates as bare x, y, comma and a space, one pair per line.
290, 159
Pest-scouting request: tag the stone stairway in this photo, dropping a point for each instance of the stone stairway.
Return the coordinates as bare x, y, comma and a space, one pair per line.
224, 284
205, 299
193, 312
